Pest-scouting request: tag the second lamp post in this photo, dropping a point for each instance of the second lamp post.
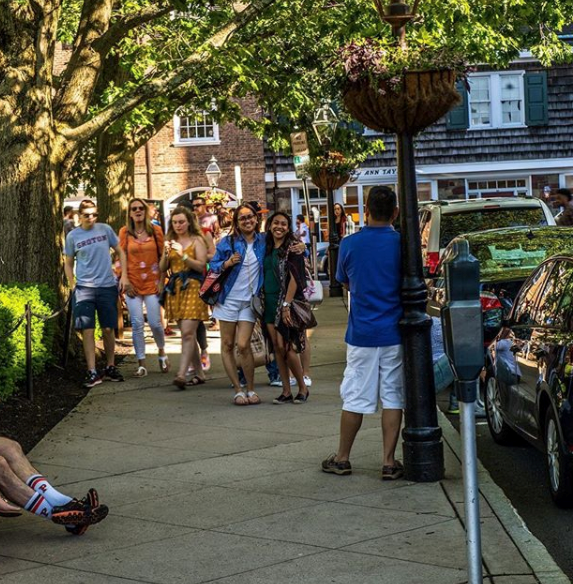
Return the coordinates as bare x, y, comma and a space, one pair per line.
324, 126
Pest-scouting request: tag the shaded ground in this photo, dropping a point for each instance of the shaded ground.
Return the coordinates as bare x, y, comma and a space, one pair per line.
56, 393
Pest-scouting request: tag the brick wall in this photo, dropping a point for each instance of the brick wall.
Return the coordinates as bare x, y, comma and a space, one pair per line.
177, 168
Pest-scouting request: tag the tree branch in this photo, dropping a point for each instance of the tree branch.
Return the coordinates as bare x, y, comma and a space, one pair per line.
168, 82
119, 29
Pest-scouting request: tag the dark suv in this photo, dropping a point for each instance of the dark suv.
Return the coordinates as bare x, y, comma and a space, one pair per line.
529, 389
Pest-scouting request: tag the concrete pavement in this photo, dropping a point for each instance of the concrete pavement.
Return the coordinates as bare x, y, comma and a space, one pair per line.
203, 491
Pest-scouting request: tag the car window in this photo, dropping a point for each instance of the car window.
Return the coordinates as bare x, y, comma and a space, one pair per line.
526, 303
425, 228
556, 298
454, 224
516, 253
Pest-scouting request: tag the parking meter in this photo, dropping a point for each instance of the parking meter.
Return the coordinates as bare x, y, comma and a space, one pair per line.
462, 321
462, 324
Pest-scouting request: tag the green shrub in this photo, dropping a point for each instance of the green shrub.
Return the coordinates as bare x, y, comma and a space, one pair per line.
13, 300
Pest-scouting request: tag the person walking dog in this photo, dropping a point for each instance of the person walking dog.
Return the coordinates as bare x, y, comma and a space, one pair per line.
369, 265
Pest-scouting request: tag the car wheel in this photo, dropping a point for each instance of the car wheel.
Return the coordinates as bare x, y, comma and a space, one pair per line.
558, 465
498, 427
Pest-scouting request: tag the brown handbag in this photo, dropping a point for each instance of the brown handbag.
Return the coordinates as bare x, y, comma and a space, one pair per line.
302, 315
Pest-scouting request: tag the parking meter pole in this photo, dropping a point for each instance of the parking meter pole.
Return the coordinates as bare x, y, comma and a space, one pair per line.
463, 339
471, 488
422, 446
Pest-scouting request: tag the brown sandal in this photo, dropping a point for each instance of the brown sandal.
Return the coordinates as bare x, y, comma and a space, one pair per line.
179, 382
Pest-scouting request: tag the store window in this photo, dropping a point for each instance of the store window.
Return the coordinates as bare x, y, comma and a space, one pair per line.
450, 189
543, 184
497, 188
350, 200
496, 100
424, 191
196, 130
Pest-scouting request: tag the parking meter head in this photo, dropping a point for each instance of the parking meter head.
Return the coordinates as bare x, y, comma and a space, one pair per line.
462, 315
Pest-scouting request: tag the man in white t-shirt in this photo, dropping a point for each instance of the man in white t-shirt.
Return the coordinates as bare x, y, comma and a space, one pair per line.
302, 230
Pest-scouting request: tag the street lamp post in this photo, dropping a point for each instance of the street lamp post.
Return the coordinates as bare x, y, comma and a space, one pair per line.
324, 126
422, 446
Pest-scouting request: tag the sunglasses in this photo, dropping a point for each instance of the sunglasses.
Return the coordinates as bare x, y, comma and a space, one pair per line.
88, 215
137, 209
197, 205
246, 218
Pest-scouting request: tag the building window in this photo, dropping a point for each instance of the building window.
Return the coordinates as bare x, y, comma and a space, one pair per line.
199, 129
497, 188
496, 100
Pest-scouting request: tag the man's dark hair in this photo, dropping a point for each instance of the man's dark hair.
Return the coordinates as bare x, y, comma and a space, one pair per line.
200, 198
186, 203
300, 218
381, 203
564, 192
68, 209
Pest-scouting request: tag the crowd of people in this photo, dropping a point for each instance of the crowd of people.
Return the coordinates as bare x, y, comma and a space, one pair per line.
160, 275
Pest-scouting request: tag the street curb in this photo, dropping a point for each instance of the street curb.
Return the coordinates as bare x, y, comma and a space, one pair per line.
532, 550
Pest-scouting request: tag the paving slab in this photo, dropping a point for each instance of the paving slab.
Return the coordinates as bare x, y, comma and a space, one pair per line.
53, 574
193, 558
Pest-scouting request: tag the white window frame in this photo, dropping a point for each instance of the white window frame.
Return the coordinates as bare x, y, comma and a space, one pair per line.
496, 114
207, 141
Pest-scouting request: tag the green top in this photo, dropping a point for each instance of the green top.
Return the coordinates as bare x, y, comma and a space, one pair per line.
271, 268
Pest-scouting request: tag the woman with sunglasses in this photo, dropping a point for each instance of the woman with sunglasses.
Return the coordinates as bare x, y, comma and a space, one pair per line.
186, 257
142, 243
284, 282
243, 247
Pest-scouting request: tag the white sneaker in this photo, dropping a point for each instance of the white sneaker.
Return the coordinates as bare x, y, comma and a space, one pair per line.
307, 381
276, 383
292, 381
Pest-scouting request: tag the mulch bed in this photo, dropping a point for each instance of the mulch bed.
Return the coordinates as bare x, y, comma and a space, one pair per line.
56, 393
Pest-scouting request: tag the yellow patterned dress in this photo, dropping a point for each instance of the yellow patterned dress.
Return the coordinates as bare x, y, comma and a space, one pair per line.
184, 304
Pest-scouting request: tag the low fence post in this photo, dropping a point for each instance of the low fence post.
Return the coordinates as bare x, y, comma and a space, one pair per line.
29, 376
67, 333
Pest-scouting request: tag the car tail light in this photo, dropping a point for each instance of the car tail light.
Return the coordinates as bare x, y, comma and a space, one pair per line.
432, 261
489, 301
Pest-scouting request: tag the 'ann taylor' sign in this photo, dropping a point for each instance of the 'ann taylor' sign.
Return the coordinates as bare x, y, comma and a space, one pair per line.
388, 171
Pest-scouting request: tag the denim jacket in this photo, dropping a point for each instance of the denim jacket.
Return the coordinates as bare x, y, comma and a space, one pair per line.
225, 251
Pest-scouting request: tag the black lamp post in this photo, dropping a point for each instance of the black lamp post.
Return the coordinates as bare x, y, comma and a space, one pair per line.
422, 446
324, 126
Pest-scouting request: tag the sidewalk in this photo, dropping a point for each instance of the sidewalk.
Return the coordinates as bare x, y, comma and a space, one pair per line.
203, 491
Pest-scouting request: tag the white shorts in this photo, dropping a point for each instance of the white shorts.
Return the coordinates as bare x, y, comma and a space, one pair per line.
234, 311
372, 375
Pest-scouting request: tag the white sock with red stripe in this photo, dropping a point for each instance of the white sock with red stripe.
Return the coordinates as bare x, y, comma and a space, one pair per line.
39, 505
43, 487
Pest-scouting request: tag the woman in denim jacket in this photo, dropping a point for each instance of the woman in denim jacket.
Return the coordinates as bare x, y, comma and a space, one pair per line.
243, 247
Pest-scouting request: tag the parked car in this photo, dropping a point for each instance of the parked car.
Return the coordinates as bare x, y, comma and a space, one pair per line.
441, 221
322, 258
531, 393
506, 257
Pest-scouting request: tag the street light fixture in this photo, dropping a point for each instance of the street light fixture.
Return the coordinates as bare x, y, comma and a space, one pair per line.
213, 173
324, 125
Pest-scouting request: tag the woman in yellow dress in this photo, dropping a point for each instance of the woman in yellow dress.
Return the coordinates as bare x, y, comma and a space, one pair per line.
185, 257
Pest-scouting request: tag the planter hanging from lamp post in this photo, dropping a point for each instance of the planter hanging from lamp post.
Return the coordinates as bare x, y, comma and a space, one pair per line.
386, 94
326, 178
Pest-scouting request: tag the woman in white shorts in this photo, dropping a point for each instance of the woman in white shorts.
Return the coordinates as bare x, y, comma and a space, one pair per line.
244, 250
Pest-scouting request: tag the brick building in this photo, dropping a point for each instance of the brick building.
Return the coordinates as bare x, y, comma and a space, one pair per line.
179, 155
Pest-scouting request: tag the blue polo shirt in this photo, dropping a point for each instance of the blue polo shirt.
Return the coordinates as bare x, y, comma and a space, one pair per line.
369, 263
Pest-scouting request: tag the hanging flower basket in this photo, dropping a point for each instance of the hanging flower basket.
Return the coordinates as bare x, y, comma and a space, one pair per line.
326, 181
419, 99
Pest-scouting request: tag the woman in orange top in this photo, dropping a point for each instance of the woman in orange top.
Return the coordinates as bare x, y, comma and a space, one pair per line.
143, 244
186, 257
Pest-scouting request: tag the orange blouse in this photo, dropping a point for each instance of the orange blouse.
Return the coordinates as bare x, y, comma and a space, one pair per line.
143, 260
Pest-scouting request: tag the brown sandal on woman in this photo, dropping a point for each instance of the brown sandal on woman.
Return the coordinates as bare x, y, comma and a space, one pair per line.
179, 382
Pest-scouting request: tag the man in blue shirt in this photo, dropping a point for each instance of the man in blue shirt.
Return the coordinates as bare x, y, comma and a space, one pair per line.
369, 265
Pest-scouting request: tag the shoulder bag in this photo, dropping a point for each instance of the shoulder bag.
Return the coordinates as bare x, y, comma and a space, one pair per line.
214, 281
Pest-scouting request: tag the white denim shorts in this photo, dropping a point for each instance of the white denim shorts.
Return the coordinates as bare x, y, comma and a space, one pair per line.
234, 311
373, 375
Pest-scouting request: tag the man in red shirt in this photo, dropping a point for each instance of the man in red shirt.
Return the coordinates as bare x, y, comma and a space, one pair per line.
208, 222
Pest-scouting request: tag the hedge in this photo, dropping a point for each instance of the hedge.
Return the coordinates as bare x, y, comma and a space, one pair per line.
13, 300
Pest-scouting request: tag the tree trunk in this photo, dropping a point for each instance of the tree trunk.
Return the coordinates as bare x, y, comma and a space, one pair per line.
114, 177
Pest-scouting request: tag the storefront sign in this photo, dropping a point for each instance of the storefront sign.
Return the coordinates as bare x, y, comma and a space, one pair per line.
389, 171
